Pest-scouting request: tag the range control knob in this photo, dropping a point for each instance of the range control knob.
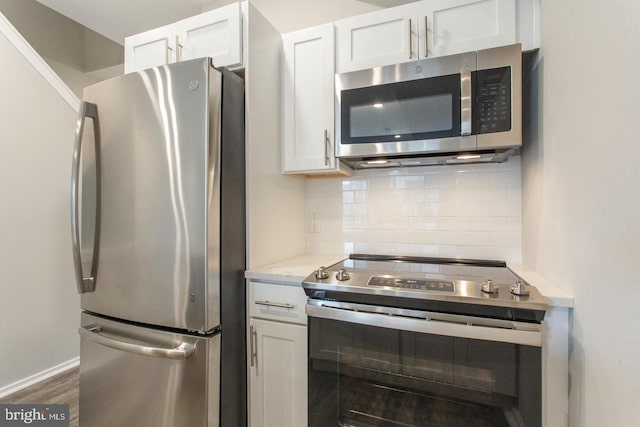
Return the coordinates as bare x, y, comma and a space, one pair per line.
489, 287
342, 275
322, 273
520, 289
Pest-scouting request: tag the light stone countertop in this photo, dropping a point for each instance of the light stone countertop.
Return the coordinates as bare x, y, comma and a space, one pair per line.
293, 271
556, 296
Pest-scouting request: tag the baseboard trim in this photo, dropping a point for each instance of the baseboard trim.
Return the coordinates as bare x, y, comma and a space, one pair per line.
40, 376
29, 53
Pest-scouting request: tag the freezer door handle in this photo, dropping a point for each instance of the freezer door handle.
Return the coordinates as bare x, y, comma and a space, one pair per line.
181, 352
85, 284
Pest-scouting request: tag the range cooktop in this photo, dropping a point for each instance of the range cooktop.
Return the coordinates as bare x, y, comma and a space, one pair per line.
445, 284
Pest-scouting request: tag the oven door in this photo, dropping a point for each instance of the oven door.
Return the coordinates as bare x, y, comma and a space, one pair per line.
379, 366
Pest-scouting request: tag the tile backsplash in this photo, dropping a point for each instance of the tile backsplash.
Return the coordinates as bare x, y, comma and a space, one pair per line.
469, 211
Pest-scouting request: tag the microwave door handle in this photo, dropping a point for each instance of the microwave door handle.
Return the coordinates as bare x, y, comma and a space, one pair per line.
465, 103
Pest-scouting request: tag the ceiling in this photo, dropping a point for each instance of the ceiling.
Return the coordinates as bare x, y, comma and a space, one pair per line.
116, 19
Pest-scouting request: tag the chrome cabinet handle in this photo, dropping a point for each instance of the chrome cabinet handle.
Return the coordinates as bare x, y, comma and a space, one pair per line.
85, 284
253, 346
426, 37
465, 103
410, 41
167, 57
178, 49
327, 146
275, 304
181, 352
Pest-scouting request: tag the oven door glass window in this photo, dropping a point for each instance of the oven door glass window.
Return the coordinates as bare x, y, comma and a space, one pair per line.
370, 376
410, 110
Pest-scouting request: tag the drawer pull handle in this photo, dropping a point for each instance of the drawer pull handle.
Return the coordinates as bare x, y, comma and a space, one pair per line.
275, 304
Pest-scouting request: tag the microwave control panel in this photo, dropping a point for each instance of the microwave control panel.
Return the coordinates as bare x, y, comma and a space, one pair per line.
493, 100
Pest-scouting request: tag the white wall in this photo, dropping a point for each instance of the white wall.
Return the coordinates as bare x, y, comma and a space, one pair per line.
78, 55
275, 202
581, 203
470, 211
39, 308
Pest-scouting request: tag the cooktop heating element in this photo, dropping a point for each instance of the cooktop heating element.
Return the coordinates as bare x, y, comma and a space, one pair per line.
484, 288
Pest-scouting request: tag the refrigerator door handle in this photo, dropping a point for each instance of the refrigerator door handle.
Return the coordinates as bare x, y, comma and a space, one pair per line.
181, 352
85, 284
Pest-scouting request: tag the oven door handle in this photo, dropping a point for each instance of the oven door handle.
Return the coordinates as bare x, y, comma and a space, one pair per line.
439, 324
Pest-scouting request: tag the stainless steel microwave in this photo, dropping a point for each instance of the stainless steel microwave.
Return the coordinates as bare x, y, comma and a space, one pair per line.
451, 109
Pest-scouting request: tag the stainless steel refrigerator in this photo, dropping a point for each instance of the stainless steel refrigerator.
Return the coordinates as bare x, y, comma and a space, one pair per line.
158, 227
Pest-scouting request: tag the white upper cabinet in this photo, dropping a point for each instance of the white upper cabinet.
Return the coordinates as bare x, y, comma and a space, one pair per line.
456, 26
422, 30
308, 100
149, 49
384, 37
217, 33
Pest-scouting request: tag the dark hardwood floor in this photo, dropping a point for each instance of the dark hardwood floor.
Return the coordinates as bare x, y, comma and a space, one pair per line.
59, 389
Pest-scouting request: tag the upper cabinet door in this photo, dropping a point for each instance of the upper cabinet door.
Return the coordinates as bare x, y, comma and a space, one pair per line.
308, 100
378, 38
149, 49
457, 26
217, 33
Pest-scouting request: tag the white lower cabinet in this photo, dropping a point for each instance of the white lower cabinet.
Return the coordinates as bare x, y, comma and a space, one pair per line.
278, 374
277, 355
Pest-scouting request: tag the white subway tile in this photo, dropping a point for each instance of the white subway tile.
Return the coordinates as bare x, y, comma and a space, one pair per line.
409, 181
514, 224
472, 209
381, 182
473, 179
360, 222
439, 181
355, 235
472, 238
425, 195
506, 179
490, 194
384, 209
424, 250
388, 223
514, 255
456, 251
348, 197
488, 252
489, 224
515, 193
507, 208
439, 238
439, 209
397, 236
354, 184
506, 239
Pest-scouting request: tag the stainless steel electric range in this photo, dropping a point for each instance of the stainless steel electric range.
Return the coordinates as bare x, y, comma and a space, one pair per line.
413, 341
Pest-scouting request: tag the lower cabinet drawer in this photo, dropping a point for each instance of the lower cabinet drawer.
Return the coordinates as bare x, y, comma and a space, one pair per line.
277, 302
